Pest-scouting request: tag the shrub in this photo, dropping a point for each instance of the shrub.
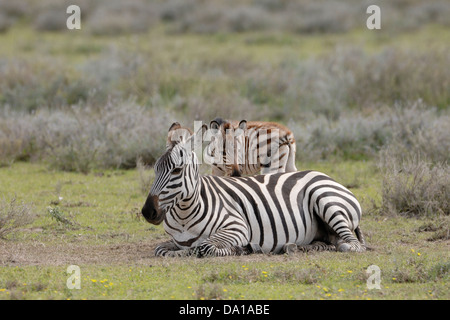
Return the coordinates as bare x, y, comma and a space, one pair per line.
112, 136
117, 17
418, 130
5, 22
173, 10
347, 79
415, 188
14, 215
17, 140
400, 75
84, 137
14, 9
246, 18
414, 164
109, 17
399, 131
51, 19
322, 17
22, 88
430, 11
351, 136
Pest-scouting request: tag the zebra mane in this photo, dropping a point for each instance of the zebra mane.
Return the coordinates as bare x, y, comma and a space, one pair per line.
165, 156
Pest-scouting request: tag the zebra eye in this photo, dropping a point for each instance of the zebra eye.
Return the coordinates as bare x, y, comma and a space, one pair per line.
176, 171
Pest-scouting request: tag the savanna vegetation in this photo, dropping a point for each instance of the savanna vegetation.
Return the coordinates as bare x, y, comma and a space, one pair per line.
84, 115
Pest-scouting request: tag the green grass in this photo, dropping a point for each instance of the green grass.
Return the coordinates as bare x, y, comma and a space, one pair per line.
114, 248
266, 47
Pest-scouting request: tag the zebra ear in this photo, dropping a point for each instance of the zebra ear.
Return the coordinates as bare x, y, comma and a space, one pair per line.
243, 125
214, 125
174, 126
220, 121
177, 134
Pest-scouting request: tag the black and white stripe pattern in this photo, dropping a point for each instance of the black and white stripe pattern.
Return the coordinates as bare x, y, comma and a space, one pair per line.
274, 213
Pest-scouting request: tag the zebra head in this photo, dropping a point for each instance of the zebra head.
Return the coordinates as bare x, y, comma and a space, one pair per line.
176, 178
227, 145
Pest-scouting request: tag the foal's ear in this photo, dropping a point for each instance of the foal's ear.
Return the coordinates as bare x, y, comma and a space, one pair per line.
214, 125
243, 125
174, 126
177, 134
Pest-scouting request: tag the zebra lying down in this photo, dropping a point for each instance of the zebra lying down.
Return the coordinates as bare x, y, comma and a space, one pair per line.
274, 213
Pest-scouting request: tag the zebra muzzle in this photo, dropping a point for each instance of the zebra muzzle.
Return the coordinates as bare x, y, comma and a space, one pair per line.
151, 210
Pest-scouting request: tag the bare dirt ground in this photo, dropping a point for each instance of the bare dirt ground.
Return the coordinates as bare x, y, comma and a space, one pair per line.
37, 253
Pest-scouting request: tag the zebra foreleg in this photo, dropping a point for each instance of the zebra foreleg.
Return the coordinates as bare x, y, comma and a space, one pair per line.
209, 250
314, 246
170, 249
223, 243
317, 246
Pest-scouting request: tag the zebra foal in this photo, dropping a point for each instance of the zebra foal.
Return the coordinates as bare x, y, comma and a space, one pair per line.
274, 213
265, 147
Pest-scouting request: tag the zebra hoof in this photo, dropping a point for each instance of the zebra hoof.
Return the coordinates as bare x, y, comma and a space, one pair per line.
343, 247
290, 248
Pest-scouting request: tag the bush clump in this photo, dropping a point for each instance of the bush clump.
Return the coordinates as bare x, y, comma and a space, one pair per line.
14, 215
416, 188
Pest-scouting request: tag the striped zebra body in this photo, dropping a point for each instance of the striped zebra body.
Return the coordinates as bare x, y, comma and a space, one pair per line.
218, 216
265, 147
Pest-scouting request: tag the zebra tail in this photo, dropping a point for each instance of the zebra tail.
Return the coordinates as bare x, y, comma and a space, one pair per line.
360, 237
